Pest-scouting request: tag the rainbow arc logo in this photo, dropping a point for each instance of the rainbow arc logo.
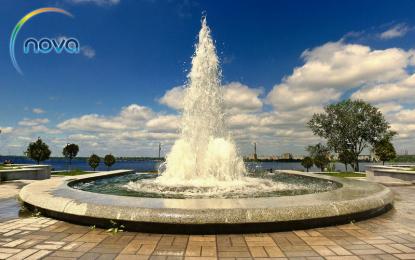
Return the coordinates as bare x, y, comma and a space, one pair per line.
44, 45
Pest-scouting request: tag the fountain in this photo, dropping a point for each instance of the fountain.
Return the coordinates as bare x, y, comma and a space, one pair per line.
204, 154
204, 186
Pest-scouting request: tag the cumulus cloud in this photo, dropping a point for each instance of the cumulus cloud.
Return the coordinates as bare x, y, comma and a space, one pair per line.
6, 130
335, 67
398, 30
275, 120
38, 111
402, 90
237, 97
33, 121
173, 98
127, 118
164, 123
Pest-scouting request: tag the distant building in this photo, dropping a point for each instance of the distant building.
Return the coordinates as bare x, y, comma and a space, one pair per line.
286, 156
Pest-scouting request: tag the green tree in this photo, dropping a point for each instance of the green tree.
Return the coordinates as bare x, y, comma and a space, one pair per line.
94, 161
38, 151
320, 155
109, 160
346, 157
70, 151
351, 125
307, 162
384, 150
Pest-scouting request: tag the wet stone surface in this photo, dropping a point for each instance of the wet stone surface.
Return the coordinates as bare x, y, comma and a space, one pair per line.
389, 236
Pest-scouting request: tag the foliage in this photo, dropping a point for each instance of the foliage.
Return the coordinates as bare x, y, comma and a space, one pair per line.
70, 173
320, 154
70, 151
38, 151
115, 228
345, 174
109, 160
404, 158
384, 150
307, 162
94, 161
352, 125
346, 157
331, 167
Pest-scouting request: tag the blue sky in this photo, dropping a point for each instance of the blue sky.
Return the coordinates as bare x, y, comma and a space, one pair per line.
139, 50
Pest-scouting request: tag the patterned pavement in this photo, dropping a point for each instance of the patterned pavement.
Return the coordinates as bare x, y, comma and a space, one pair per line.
390, 236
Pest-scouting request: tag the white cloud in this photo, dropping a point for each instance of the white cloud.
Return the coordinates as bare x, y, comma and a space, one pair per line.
88, 51
335, 67
173, 97
164, 123
126, 119
38, 111
329, 72
92, 122
402, 90
6, 130
237, 97
33, 122
395, 31
82, 137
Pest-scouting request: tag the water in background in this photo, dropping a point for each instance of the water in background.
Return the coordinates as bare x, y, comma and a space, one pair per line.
152, 165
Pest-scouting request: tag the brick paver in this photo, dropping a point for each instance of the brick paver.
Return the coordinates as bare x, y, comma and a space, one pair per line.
390, 236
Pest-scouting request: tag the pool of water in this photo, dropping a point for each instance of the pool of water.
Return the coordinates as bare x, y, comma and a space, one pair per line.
145, 185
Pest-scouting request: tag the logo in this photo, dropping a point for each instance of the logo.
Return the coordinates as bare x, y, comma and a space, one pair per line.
43, 45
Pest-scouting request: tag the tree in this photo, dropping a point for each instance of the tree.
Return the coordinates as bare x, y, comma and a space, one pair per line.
320, 155
352, 125
94, 161
384, 150
109, 160
70, 151
38, 151
307, 162
346, 157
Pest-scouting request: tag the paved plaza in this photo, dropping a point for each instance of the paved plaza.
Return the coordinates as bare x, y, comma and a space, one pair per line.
390, 236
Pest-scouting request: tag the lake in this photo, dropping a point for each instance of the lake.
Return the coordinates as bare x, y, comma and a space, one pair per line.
151, 165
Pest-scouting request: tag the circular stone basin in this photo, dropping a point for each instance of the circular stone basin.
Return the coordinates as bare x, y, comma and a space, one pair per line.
145, 185
346, 200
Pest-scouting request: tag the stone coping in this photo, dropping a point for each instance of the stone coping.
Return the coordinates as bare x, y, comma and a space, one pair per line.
354, 200
56, 198
403, 169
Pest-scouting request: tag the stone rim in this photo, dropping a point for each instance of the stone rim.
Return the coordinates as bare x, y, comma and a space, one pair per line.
354, 197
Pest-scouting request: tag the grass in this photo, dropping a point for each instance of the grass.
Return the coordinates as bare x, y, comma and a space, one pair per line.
70, 173
4, 167
344, 174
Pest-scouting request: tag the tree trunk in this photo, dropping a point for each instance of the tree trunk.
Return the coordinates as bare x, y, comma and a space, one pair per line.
357, 165
383, 162
345, 166
307, 169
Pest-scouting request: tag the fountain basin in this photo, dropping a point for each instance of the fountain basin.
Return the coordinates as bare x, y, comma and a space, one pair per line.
354, 200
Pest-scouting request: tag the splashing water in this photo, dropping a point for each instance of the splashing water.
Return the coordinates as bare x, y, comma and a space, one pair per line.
204, 154
204, 160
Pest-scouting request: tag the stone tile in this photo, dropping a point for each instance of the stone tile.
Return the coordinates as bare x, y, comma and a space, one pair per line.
132, 257
39, 255
405, 256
